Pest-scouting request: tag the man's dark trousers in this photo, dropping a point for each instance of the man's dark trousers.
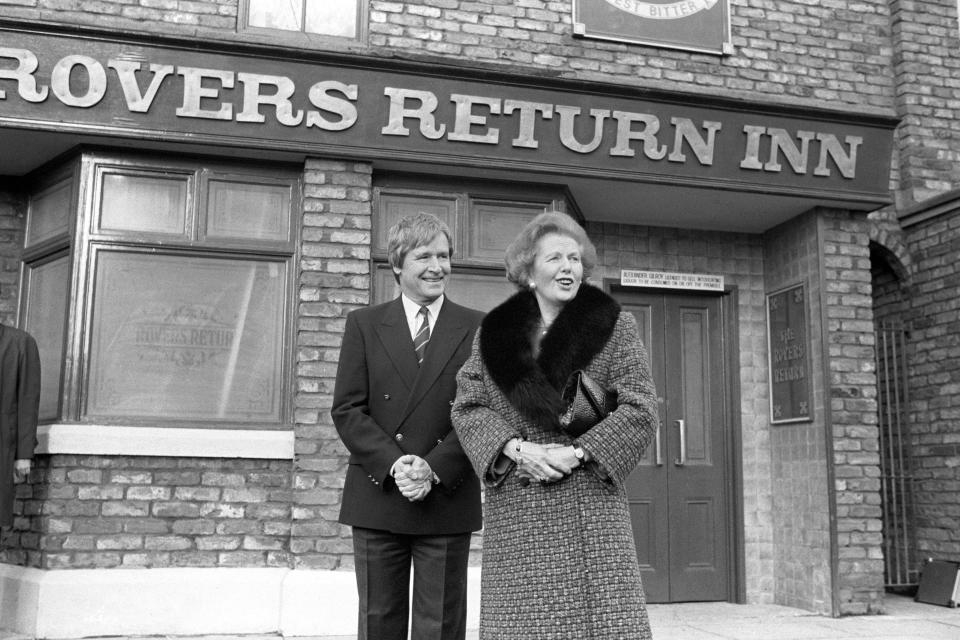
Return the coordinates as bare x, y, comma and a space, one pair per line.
439, 588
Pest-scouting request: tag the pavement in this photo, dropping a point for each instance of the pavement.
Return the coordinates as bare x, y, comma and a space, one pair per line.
903, 619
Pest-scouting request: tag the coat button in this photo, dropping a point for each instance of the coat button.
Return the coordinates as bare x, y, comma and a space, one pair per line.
399, 437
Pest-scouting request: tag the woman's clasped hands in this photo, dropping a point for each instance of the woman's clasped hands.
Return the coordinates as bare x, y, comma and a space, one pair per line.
545, 463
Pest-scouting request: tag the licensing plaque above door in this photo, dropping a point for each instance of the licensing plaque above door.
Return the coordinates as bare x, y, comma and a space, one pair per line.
692, 25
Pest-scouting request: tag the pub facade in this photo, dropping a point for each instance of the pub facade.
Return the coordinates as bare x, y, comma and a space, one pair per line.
192, 199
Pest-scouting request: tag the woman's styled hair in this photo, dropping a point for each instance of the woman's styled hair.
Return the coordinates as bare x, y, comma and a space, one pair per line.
411, 232
523, 250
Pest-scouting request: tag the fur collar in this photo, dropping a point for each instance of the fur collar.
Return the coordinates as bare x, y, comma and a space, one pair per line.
532, 385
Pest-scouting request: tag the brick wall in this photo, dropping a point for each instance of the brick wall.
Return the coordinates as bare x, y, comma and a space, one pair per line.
891, 300
334, 279
798, 451
926, 64
123, 511
829, 251
853, 406
12, 211
739, 258
184, 18
934, 372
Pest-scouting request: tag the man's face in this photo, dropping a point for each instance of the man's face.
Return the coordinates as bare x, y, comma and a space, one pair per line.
425, 269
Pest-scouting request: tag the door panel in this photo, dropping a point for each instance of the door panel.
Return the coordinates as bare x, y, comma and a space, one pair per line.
645, 487
700, 549
694, 377
681, 481
644, 519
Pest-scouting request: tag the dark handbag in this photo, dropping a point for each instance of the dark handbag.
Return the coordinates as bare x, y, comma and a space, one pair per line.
586, 402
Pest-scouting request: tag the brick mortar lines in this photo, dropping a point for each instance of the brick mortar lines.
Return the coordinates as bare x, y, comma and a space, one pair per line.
854, 416
334, 278
113, 511
12, 218
935, 387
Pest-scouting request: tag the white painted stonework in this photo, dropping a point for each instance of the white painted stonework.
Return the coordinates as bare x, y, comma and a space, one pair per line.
107, 440
132, 602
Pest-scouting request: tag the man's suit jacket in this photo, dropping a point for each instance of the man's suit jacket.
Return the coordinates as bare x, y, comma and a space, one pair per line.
19, 406
385, 406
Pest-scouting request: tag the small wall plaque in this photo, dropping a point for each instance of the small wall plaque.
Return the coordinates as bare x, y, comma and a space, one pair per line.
671, 280
789, 360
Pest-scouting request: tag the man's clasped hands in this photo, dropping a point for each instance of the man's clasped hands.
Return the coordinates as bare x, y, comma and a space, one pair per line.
413, 476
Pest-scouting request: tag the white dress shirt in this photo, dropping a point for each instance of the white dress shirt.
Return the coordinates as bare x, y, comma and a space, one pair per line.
412, 311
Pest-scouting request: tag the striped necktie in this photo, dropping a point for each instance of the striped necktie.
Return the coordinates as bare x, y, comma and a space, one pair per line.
423, 335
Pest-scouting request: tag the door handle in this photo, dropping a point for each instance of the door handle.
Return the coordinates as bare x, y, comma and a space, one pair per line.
682, 460
656, 444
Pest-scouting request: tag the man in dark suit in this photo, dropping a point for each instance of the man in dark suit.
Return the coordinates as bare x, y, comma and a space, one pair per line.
19, 406
410, 493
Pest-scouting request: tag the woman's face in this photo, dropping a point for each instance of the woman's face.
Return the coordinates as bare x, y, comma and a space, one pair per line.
557, 269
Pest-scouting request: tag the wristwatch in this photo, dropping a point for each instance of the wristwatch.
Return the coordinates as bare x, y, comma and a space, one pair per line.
578, 452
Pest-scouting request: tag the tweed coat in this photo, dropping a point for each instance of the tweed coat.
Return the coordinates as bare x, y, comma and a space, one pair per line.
558, 559
19, 406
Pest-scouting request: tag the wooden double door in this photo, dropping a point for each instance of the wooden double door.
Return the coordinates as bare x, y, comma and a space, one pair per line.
679, 494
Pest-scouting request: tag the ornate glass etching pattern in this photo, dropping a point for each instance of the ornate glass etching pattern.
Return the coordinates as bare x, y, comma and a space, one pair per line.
187, 338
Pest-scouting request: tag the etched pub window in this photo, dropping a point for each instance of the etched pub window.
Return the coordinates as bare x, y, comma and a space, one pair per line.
189, 338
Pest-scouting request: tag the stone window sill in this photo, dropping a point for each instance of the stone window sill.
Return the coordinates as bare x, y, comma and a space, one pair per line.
116, 440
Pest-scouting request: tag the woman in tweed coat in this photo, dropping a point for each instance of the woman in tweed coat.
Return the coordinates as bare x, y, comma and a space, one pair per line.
558, 551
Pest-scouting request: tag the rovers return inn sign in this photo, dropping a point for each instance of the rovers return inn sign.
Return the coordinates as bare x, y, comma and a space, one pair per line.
233, 95
694, 25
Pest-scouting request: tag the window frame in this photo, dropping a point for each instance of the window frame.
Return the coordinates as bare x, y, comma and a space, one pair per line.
86, 239
87, 375
302, 38
27, 270
46, 251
